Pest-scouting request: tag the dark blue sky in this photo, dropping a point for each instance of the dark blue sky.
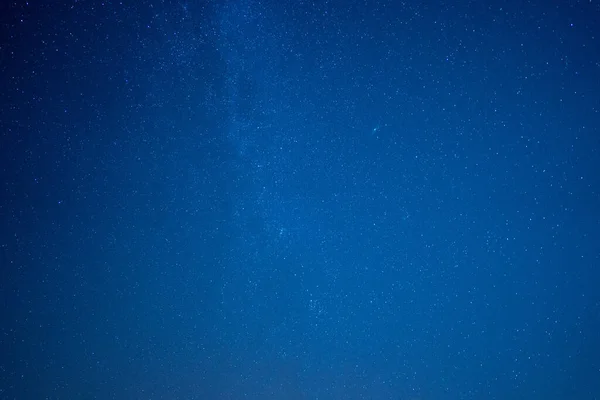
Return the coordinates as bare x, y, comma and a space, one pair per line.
260, 199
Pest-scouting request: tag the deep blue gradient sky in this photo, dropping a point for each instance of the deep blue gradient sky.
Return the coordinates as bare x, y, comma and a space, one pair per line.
261, 199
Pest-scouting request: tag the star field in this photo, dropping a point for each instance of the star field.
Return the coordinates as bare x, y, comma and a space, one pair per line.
257, 199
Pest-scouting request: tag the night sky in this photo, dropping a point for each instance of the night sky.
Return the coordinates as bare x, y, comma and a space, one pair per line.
268, 199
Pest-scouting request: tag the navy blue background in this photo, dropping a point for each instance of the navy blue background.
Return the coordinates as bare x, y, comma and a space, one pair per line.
256, 199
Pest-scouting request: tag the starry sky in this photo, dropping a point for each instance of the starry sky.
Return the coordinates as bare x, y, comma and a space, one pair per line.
303, 200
